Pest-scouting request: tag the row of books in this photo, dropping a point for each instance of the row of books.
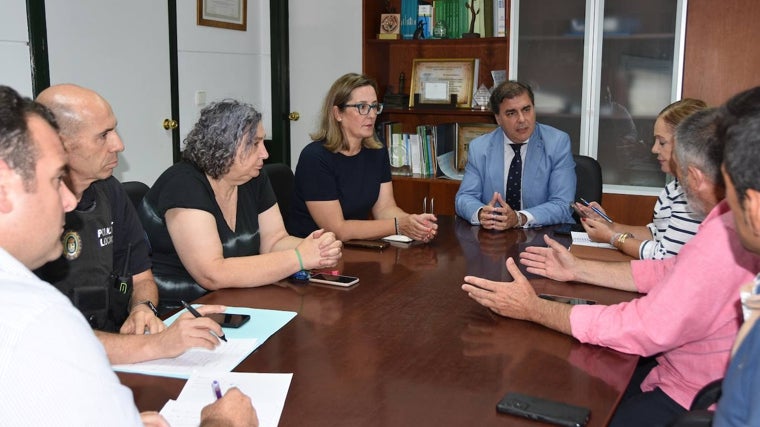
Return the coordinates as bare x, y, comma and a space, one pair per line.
433, 151
490, 21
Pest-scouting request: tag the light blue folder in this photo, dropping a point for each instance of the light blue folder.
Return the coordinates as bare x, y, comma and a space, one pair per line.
263, 323
259, 328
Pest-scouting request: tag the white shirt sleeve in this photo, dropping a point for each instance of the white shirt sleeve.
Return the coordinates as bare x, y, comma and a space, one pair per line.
53, 369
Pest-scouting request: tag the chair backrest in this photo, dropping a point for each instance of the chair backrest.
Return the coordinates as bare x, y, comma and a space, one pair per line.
136, 191
698, 414
588, 184
588, 174
283, 181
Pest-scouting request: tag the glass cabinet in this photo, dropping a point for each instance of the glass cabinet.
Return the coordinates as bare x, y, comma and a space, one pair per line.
601, 70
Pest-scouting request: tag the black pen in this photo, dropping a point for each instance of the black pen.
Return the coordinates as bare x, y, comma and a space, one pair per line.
195, 313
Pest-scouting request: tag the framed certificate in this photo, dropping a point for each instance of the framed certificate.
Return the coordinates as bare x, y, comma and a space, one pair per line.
460, 74
230, 14
435, 92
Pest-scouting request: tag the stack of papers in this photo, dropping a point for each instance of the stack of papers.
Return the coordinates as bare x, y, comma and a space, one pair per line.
267, 393
223, 358
226, 356
581, 238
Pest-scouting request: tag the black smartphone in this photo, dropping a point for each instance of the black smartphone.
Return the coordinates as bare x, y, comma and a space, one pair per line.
369, 244
229, 320
544, 410
332, 279
567, 300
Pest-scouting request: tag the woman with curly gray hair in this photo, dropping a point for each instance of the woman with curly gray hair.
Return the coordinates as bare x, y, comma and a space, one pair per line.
213, 220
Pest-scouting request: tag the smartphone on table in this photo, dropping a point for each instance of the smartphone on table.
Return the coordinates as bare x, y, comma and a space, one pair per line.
544, 410
229, 320
567, 300
334, 279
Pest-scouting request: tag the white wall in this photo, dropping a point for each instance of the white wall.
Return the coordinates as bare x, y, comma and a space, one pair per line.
321, 50
14, 50
223, 63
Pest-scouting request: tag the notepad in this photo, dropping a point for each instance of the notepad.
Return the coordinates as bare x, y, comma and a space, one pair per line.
581, 239
226, 356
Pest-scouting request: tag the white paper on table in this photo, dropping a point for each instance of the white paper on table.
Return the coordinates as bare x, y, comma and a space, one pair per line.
224, 358
581, 238
267, 393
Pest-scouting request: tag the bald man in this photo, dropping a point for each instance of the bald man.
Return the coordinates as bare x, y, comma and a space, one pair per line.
54, 369
105, 269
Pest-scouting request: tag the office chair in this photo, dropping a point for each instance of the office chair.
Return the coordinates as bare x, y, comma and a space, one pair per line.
283, 182
698, 415
136, 191
588, 175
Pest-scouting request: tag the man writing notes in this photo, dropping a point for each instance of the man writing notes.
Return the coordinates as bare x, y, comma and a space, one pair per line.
689, 315
520, 175
105, 249
53, 369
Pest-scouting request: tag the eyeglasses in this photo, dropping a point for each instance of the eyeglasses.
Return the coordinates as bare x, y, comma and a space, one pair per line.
364, 109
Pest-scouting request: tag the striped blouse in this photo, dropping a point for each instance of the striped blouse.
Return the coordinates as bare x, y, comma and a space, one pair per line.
672, 226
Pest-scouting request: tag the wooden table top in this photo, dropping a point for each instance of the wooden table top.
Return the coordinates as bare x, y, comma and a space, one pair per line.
406, 346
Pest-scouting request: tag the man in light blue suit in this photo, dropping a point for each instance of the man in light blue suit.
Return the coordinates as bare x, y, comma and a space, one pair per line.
548, 170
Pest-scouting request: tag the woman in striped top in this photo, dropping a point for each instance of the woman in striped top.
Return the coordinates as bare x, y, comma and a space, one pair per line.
674, 222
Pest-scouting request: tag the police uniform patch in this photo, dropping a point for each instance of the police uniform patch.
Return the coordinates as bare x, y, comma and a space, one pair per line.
72, 245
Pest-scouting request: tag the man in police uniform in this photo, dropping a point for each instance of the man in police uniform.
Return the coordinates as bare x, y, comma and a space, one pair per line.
105, 269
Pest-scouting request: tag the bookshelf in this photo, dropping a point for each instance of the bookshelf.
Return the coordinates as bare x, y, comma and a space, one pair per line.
385, 60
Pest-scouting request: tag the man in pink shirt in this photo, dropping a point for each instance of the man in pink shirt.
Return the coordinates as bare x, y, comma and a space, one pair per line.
690, 313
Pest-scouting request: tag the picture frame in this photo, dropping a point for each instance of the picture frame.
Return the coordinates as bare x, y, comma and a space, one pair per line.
435, 92
229, 14
460, 73
465, 133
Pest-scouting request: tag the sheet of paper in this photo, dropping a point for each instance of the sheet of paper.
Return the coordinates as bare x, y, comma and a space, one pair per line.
581, 239
223, 358
446, 165
241, 342
267, 393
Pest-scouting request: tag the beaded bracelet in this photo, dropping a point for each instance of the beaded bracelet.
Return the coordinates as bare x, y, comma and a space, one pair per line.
395, 222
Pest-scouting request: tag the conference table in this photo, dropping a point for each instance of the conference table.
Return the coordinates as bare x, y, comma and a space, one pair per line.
407, 347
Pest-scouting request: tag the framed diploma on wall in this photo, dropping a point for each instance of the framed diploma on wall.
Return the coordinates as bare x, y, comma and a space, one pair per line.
230, 14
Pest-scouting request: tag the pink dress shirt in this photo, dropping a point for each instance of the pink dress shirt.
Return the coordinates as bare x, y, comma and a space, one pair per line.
690, 314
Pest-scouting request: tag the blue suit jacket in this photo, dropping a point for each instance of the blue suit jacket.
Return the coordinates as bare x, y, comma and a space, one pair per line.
548, 179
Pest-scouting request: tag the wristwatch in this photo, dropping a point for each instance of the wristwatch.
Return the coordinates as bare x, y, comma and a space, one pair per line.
150, 305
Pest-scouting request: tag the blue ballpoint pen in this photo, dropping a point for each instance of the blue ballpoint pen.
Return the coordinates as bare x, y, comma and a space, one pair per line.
195, 313
598, 212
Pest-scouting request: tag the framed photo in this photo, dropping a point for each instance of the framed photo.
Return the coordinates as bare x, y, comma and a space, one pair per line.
460, 73
466, 132
230, 14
